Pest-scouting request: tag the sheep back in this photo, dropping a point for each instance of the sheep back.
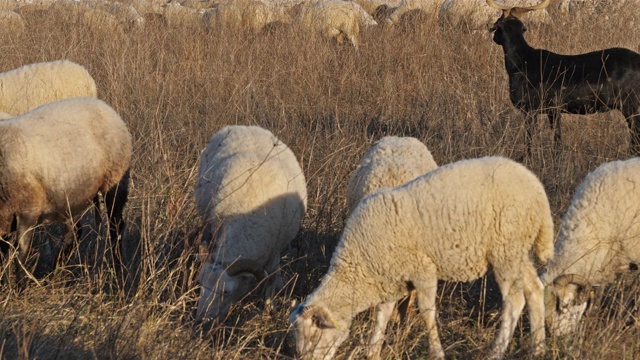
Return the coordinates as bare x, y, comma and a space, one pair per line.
30, 86
600, 233
391, 161
58, 156
250, 183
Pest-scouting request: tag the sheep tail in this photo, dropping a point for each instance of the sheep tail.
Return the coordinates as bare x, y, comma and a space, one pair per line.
543, 244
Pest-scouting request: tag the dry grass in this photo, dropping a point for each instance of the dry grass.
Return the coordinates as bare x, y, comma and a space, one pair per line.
175, 88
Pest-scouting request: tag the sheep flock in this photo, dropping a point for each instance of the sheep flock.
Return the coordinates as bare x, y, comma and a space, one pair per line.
340, 20
406, 218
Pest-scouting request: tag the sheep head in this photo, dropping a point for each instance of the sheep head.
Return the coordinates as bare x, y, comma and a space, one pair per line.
317, 335
565, 301
222, 285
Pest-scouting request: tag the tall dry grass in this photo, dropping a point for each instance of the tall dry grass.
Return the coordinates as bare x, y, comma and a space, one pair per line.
176, 87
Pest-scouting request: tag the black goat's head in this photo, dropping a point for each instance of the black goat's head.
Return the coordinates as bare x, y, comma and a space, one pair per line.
509, 22
504, 27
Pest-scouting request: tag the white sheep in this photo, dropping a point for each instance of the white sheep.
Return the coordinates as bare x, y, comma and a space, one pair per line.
252, 195
178, 16
334, 19
252, 15
370, 6
103, 22
55, 161
29, 86
199, 4
475, 15
126, 14
454, 223
599, 237
426, 6
389, 162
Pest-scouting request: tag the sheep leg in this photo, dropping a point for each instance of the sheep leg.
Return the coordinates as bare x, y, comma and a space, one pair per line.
529, 123
72, 233
512, 306
426, 290
383, 314
115, 200
24, 231
274, 282
534, 295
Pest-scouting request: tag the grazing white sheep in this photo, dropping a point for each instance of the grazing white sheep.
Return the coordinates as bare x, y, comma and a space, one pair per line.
178, 16
475, 15
199, 4
149, 7
126, 14
252, 15
454, 223
252, 195
103, 22
29, 86
599, 237
334, 19
55, 161
427, 6
370, 6
391, 161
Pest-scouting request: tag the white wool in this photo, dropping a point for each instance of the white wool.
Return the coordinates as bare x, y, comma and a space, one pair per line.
454, 223
29, 86
251, 194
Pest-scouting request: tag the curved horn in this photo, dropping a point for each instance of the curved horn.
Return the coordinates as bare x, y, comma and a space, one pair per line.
493, 4
246, 265
564, 280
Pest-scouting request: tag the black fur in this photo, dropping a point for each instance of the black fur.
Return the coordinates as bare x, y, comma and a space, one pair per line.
541, 81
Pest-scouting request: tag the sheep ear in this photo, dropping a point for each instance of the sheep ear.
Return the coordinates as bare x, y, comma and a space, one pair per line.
319, 317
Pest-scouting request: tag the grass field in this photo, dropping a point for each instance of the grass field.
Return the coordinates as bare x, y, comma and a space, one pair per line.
176, 87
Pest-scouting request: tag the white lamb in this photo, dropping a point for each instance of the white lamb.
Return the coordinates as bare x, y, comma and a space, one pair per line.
391, 161
32, 85
599, 237
454, 223
252, 195
55, 161
334, 19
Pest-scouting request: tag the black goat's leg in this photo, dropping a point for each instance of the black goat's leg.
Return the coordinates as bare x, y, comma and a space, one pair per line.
529, 124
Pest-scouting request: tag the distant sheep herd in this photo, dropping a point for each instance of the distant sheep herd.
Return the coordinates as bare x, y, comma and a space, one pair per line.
342, 20
411, 221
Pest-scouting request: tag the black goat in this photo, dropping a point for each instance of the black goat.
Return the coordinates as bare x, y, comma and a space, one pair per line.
541, 81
